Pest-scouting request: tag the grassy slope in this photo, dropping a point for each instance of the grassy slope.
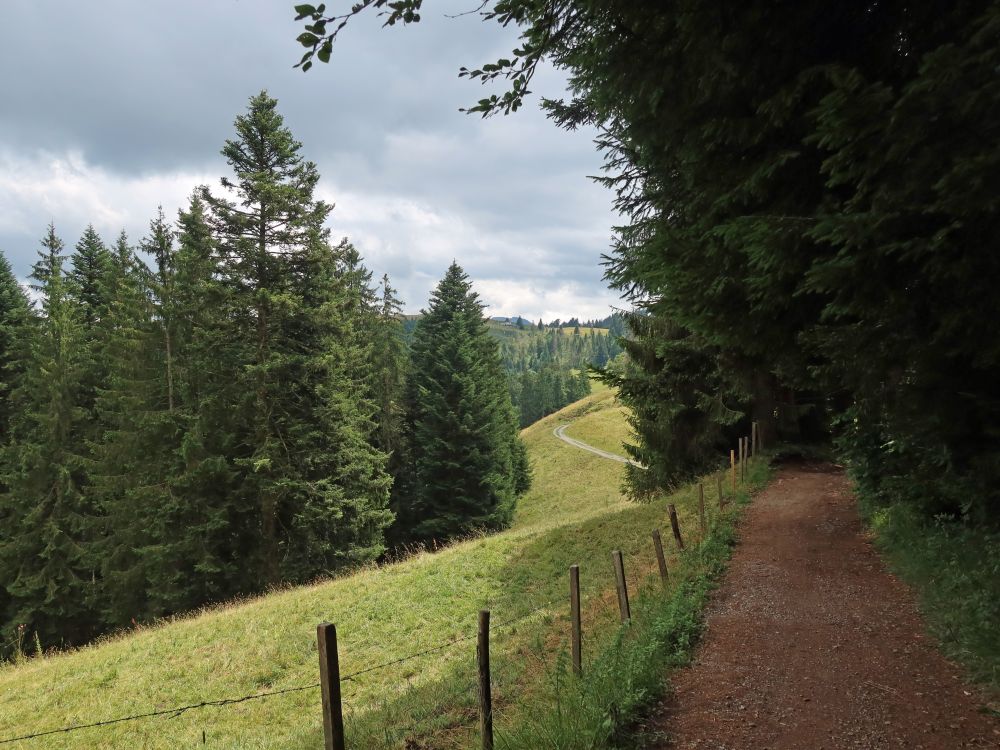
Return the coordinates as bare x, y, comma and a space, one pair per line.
605, 429
574, 513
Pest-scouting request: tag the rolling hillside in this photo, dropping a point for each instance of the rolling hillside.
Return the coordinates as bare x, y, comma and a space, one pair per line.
573, 514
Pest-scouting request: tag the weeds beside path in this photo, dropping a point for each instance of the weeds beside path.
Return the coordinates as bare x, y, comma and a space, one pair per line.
811, 643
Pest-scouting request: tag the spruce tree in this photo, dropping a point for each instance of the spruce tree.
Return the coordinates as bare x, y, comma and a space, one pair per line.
90, 288
91, 263
15, 321
468, 462
388, 367
47, 518
202, 529
48, 256
128, 475
16, 329
301, 438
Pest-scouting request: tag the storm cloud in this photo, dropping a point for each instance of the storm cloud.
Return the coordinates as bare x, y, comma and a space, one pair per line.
109, 109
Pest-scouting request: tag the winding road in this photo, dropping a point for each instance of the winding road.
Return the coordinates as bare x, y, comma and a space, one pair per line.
560, 432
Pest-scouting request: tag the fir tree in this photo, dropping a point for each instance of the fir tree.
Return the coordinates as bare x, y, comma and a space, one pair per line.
128, 471
47, 519
388, 366
159, 244
15, 321
469, 464
301, 437
202, 529
89, 287
50, 254
90, 264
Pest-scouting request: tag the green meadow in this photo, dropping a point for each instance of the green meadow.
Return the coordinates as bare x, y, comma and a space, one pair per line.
574, 513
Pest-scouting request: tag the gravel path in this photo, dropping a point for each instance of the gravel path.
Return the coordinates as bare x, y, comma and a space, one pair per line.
560, 432
812, 644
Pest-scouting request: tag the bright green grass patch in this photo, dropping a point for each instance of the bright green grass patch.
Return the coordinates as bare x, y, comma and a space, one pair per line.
606, 429
955, 570
573, 514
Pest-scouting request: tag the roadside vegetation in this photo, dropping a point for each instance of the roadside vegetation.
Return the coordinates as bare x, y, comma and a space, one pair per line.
955, 569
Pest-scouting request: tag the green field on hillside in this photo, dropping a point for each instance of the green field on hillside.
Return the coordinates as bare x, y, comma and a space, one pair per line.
573, 514
605, 428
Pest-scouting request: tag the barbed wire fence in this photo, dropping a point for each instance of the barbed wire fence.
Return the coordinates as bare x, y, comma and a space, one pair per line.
350, 677
749, 447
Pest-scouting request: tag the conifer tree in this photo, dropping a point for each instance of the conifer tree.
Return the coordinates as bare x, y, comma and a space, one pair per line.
301, 437
159, 244
91, 262
469, 464
128, 472
15, 321
89, 288
203, 529
388, 366
46, 521
48, 256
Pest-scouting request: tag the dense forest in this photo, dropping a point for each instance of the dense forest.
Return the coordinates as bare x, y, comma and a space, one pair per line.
230, 405
808, 234
550, 365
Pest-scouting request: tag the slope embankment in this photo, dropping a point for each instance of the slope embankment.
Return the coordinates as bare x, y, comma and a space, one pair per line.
574, 513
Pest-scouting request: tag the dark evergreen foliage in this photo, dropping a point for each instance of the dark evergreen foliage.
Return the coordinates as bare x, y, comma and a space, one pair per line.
467, 460
809, 192
304, 455
44, 512
177, 434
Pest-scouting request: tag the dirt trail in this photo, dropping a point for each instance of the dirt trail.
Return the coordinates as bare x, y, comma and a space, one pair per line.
812, 644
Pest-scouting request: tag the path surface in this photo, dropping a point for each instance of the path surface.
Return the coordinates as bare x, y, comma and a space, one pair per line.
812, 644
560, 432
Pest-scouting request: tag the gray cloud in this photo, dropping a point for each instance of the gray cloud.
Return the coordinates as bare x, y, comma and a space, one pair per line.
108, 112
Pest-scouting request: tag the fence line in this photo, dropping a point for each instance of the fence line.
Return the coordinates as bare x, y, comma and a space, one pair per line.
171, 712
623, 604
178, 710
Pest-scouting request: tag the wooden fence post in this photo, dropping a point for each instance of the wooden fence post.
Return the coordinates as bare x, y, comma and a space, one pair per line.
674, 526
485, 697
574, 614
732, 465
661, 560
701, 509
623, 605
329, 680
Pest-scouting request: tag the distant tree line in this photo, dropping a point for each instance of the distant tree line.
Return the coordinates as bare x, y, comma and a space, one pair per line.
237, 413
550, 368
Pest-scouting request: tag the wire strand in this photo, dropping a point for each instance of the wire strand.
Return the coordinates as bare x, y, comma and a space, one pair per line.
177, 711
171, 712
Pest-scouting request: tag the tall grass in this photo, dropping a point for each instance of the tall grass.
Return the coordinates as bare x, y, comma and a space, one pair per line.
629, 673
955, 569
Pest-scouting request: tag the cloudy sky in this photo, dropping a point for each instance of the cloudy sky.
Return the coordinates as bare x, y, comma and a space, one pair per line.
108, 109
